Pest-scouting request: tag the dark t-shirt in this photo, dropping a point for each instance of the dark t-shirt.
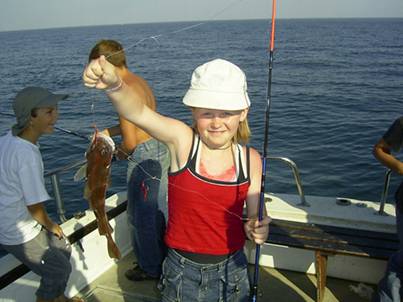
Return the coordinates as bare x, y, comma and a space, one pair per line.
394, 135
394, 138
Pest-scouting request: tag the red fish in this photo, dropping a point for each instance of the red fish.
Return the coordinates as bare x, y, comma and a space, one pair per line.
99, 158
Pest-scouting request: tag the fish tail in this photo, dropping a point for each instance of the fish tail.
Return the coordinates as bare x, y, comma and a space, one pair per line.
104, 227
113, 250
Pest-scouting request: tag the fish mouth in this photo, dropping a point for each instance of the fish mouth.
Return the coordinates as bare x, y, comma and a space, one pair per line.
108, 140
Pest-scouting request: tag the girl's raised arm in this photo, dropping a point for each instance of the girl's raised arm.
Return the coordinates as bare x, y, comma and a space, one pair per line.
175, 134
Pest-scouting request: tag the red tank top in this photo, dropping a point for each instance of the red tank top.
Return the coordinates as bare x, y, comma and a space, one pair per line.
204, 215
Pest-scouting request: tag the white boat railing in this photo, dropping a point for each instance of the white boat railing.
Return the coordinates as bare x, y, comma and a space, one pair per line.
297, 177
54, 176
55, 180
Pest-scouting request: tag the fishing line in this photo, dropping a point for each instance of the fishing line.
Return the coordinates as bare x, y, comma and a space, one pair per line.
138, 164
156, 37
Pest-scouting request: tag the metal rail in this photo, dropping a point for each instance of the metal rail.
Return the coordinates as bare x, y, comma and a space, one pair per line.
297, 177
385, 191
54, 178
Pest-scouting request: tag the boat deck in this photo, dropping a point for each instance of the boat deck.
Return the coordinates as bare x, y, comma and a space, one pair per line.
274, 285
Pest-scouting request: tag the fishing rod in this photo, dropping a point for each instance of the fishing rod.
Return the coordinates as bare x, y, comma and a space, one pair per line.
58, 128
87, 138
253, 296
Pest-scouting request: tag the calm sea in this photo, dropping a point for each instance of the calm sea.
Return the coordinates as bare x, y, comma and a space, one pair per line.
337, 86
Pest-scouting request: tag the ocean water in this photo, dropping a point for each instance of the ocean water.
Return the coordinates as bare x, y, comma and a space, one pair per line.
337, 86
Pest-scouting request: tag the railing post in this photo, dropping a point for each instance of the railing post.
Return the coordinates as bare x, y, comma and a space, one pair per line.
298, 181
384, 192
297, 178
54, 178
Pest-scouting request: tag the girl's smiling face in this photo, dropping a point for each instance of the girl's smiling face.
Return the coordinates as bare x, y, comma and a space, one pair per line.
217, 127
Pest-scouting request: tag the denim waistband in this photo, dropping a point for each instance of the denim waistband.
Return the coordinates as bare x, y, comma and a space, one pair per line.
147, 145
234, 257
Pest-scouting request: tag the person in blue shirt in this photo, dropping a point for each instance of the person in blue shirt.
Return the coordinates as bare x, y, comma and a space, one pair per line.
389, 288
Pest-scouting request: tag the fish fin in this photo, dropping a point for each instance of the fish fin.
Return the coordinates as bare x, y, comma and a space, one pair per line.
113, 250
81, 173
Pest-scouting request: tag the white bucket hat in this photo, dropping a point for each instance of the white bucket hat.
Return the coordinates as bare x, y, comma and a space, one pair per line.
218, 84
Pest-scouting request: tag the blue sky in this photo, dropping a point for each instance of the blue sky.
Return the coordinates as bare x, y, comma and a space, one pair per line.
33, 14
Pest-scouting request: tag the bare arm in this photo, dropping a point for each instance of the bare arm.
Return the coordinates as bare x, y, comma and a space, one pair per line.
129, 104
383, 152
256, 230
39, 213
129, 135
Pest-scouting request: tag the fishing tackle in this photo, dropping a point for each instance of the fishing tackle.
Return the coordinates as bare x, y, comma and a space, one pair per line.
253, 296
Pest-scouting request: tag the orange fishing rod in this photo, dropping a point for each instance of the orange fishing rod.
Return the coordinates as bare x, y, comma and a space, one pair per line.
253, 295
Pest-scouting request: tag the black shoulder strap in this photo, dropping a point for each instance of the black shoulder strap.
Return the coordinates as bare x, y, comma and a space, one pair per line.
191, 162
242, 177
248, 161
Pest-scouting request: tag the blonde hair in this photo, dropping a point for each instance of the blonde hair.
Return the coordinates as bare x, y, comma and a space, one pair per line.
243, 133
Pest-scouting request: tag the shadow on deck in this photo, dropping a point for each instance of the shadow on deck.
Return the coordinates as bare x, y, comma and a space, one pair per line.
274, 285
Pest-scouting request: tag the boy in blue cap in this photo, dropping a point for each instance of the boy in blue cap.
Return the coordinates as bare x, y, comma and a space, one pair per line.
26, 231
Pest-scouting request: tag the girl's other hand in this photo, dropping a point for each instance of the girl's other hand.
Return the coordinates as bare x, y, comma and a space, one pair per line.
257, 231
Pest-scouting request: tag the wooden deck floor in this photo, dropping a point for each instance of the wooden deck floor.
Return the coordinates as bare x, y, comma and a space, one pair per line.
274, 285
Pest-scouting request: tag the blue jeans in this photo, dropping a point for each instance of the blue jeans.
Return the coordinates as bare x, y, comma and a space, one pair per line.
185, 280
48, 257
147, 204
389, 288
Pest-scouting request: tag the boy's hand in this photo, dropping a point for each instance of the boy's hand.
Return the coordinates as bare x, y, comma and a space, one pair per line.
55, 229
39, 213
121, 153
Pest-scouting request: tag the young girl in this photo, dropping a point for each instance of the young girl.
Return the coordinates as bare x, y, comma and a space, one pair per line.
26, 231
211, 176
